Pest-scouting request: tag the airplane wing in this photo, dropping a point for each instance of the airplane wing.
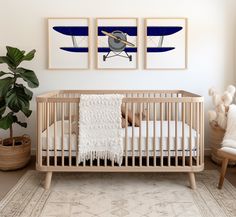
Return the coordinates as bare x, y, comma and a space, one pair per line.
75, 49
162, 30
127, 49
130, 30
159, 49
72, 30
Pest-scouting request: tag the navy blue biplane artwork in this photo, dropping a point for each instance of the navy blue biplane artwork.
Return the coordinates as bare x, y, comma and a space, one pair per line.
161, 32
73, 31
68, 43
166, 45
117, 41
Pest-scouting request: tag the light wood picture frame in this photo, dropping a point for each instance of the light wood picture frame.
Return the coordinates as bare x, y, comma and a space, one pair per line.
69, 43
117, 43
166, 43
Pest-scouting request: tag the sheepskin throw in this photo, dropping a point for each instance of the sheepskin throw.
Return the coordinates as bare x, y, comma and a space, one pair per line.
100, 127
230, 134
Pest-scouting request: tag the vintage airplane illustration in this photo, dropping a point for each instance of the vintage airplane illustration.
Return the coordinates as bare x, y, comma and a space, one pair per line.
73, 31
117, 41
160, 31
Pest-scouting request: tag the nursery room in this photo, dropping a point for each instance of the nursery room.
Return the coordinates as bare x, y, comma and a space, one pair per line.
117, 108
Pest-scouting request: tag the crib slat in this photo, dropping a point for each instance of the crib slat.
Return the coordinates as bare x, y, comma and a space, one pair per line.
147, 136
171, 105
183, 134
62, 133
133, 124
143, 103
200, 126
44, 118
47, 112
149, 96
126, 134
176, 134
190, 133
202, 134
69, 133
55, 133
140, 134
165, 107
77, 134
40, 117
198, 133
161, 133
154, 134
168, 121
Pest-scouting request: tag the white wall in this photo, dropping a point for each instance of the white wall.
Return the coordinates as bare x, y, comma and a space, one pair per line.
210, 44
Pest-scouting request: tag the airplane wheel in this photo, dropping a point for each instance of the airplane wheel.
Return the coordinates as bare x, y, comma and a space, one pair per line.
104, 58
130, 58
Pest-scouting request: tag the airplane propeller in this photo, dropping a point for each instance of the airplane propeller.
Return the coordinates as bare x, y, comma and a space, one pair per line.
117, 38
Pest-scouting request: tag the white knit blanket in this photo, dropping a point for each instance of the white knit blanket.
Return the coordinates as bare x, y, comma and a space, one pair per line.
230, 134
100, 127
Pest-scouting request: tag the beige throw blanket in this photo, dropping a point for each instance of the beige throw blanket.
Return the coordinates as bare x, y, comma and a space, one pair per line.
100, 127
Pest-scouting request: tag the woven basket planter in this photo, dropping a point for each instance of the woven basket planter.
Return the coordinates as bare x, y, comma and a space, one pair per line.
14, 155
216, 138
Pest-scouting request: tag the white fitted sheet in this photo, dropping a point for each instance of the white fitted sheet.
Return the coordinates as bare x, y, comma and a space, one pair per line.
147, 143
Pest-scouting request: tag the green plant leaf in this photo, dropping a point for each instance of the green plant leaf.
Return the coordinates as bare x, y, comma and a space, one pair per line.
16, 99
28, 92
4, 59
28, 76
22, 124
29, 56
7, 121
15, 55
2, 106
5, 85
26, 111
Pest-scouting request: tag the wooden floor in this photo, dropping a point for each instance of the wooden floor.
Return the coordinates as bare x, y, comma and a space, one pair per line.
9, 179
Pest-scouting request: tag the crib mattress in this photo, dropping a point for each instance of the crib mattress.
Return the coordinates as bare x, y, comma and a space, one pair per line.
147, 139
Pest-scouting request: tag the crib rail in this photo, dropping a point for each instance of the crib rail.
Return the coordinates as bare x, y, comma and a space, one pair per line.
166, 134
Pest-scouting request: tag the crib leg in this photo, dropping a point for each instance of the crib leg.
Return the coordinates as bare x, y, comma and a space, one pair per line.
192, 180
48, 180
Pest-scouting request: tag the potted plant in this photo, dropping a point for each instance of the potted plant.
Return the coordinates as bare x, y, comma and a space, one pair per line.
15, 98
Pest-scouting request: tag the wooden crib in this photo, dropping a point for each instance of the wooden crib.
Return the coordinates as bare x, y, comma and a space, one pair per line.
169, 138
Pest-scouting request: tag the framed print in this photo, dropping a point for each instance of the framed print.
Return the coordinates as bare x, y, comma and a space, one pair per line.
166, 43
117, 40
68, 43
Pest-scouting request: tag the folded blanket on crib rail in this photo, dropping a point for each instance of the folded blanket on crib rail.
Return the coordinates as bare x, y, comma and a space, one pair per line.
230, 134
100, 127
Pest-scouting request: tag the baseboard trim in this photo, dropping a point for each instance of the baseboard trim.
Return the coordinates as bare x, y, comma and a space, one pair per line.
207, 152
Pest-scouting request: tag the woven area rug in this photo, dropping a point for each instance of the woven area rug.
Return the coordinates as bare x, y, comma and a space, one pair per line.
119, 194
